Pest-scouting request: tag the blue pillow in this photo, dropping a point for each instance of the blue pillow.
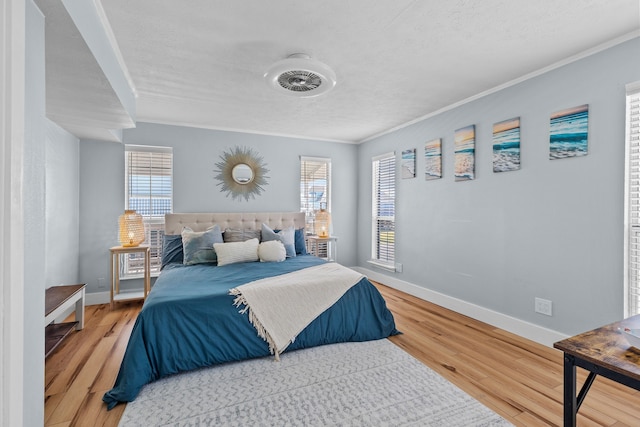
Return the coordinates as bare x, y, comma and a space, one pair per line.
286, 236
300, 242
171, 249
198, 246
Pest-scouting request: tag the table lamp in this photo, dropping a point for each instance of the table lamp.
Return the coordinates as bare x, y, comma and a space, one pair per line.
323, 222
131, 228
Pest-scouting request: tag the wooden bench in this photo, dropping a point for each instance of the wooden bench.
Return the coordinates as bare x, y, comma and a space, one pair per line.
59, 299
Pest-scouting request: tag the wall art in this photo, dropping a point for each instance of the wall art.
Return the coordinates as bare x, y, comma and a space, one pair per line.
408, 164
568, 133
433, 159
506, 145
241, 173
464, 153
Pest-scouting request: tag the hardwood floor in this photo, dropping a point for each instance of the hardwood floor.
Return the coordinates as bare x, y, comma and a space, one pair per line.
517, 378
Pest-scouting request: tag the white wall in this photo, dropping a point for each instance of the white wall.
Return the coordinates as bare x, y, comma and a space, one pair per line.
553, 229
195, 153
34, 219
61, 206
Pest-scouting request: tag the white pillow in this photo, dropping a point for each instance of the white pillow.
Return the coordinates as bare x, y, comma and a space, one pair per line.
234, 252
272, 251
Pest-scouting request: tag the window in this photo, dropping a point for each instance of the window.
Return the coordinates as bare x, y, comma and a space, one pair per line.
315, 187
149, 191
632, 202
384, 207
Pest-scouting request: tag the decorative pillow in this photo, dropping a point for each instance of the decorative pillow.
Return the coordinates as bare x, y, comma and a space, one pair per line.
234, 252
272, 251
171, 249
236, 235
300, 243
198, 245
286, 236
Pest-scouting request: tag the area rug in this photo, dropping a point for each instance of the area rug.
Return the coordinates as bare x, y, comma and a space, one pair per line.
372, 383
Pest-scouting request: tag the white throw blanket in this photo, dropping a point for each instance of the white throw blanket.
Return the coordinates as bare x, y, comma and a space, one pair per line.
281, 307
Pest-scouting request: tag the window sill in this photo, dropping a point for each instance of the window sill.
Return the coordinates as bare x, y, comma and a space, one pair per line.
382, 265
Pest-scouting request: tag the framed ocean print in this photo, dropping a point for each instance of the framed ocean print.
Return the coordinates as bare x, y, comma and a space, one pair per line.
408, 165
568, 133
506, 145
464, 153
433, 159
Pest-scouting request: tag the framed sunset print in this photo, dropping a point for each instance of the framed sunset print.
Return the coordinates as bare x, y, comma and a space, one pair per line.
464, 153
506, 145
433, 159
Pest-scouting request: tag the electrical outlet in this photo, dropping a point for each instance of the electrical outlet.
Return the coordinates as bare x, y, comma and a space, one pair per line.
543, 306
398, 267
101, 284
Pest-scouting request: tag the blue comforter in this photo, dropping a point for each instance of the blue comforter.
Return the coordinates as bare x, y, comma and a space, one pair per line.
188, 321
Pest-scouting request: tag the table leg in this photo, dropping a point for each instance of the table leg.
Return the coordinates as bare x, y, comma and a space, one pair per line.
80, 311
111, 279
570, 399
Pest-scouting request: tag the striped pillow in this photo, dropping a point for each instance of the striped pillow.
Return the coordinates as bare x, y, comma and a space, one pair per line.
235, 252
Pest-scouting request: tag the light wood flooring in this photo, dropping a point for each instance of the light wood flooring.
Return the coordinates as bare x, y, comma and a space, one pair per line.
517, 378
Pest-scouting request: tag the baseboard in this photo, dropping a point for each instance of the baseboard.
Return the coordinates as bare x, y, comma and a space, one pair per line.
514, 325
96, 298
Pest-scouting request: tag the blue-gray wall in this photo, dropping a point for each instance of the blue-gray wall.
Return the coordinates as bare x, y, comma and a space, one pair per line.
553, 229
195, 152
62, 230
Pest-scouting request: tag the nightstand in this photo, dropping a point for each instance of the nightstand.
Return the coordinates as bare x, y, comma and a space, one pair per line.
114, 264
323, 247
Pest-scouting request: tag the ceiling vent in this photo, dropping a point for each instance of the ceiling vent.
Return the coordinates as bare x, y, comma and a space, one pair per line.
299, 75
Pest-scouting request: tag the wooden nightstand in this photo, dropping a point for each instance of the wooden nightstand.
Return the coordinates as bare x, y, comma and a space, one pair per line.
114, 264
323, 247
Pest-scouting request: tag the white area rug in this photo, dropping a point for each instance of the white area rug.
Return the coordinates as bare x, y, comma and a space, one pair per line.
373, 383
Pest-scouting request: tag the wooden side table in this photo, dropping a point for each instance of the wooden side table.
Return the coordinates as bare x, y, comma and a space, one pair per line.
331, 243
58, 299
603, 351
114, 269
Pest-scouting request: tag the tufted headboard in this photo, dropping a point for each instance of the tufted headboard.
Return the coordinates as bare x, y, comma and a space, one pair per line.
173, 223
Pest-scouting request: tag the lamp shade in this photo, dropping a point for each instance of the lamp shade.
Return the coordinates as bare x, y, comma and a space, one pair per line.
131, 228
323, 222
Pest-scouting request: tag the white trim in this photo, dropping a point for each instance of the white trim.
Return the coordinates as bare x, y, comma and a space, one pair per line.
315, 159
632, 88
12, 103
562, 63
383, 156
96, 298
525, 329
382, 265
148, 148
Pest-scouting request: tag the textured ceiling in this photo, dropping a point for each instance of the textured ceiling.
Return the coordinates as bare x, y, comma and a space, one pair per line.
201, 63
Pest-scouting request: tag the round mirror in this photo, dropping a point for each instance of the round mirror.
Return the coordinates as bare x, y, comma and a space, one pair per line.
242, 173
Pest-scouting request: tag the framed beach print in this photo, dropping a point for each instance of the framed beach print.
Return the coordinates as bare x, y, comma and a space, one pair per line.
568, 133
464, 153
408, 165
506, 145
433, 159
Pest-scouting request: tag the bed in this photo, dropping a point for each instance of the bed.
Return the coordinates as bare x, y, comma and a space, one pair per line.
191, 320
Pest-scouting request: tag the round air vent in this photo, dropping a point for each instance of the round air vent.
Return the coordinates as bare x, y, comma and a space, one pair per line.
299, 75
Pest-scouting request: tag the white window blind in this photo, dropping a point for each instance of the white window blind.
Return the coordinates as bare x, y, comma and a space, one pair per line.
384, 206
149, 191
315, 187
632, 201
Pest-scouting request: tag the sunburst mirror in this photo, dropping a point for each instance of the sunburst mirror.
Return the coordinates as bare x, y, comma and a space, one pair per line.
242, 173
